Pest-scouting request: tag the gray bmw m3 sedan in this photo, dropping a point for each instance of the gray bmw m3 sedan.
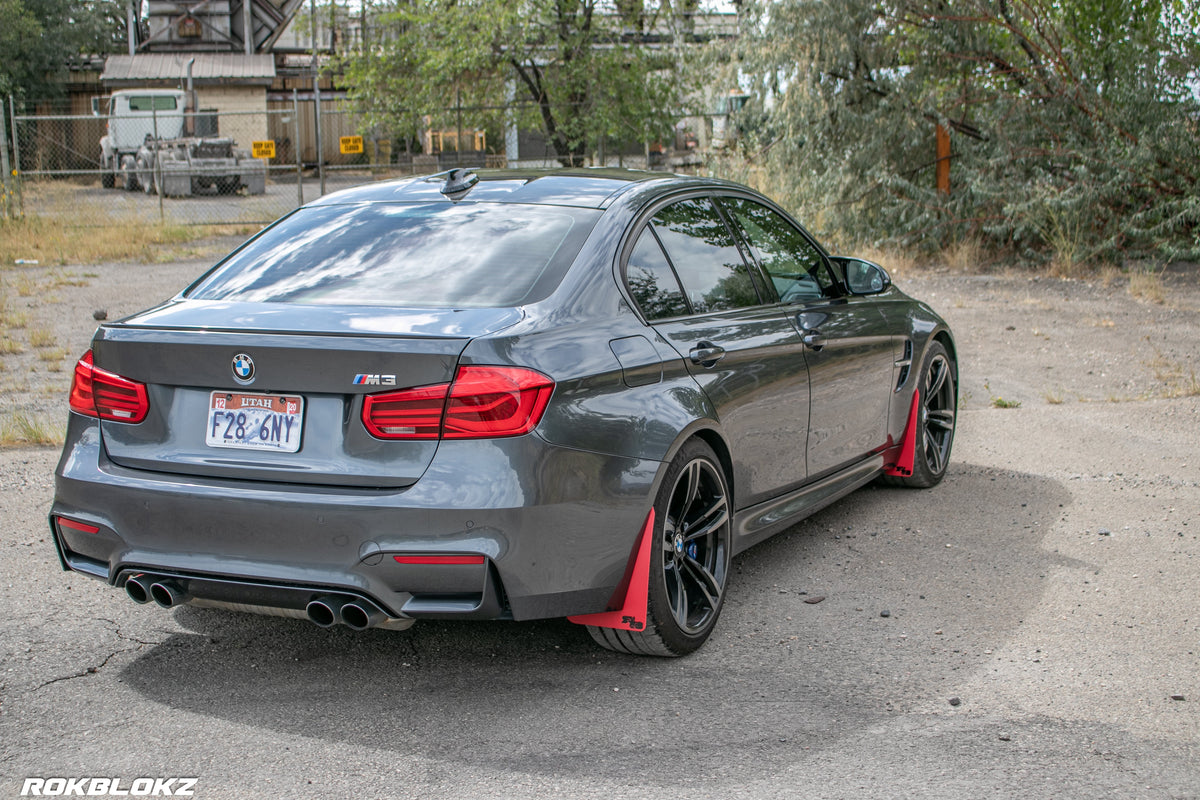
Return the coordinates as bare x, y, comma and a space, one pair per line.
504, 395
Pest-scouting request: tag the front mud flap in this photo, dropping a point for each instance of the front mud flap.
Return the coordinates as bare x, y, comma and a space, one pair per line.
903, 468
632, 614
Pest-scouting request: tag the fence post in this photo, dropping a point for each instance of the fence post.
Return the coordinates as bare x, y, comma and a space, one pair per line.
4, 179
296, 147
158, 183
317, 115
16, 168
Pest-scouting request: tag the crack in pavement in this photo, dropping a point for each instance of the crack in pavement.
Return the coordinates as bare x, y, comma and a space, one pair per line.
116, 630
88, 671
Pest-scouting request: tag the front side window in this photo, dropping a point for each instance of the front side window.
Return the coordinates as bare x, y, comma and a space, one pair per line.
412, 255
705, 257
796, 268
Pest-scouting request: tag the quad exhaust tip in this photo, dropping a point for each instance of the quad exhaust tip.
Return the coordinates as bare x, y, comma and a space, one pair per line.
325, 611
168, 594
355, 613
138, 588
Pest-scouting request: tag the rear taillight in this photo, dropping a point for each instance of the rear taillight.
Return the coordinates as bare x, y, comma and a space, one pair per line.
481, 403
99, 393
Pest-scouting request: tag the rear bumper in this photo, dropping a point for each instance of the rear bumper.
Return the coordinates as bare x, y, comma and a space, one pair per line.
514, 528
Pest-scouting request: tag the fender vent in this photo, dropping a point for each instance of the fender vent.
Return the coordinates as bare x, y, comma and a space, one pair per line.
905, 364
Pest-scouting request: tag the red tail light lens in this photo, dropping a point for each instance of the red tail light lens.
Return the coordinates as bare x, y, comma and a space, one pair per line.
408, 414
99, 393
481, 403
486, 402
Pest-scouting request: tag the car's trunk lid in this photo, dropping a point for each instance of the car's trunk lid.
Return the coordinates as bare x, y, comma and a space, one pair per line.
327, 357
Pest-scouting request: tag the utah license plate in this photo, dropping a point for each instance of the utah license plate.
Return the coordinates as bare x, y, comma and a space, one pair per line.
255, 421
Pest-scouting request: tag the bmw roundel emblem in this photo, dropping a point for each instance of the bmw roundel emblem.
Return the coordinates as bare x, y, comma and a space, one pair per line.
243, 368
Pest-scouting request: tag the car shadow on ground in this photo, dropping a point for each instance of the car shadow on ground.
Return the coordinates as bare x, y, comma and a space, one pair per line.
916, 586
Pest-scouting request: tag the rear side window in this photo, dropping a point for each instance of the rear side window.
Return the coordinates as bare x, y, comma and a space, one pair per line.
416, 256
705, 257
795, 266
652, 282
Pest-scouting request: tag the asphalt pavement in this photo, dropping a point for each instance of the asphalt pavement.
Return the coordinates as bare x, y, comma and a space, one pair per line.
1027, 629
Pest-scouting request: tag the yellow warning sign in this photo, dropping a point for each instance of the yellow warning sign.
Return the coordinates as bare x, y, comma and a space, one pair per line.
351, 145
264, 149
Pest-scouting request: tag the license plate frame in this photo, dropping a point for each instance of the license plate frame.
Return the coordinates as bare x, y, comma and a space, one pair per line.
255, 421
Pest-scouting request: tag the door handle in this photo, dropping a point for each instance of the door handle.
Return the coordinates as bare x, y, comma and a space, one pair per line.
813, 339
706, 354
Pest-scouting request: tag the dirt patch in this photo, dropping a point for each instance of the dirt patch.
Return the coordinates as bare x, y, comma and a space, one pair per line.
48, 316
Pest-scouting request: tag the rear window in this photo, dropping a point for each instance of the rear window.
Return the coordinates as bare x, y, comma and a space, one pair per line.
423, 256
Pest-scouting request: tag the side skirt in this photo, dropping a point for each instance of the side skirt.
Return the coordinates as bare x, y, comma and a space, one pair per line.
756, 523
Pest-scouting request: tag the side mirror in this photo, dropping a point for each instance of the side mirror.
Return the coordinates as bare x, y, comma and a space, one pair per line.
864, 277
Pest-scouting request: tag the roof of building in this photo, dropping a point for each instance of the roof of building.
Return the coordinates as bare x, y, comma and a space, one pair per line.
122, 70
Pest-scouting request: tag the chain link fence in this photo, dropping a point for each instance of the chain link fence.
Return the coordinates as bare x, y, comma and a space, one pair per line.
149, 162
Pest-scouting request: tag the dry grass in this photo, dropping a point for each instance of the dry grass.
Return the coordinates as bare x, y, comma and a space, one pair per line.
10, 347
54, 356
13, 320
49, 243
20, 429
1109, 275
965, 255
1179, 380
1053, 398
42, 338
1148, 286
896, 262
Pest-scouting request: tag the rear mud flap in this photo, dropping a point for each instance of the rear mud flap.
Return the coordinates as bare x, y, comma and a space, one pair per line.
632, 614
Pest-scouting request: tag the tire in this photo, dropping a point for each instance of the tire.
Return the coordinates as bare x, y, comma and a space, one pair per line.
145, 173
689, 559
936, 419
129, 171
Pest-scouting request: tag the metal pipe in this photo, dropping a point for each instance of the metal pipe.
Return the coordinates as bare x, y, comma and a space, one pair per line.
4, 179
168, 594
359, 615
325, 611
138, 588
248, 27
16, 167
296, 147
131, 27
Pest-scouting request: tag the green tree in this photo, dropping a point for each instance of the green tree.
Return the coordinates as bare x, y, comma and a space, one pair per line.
573, 68
1074, 122
39, 38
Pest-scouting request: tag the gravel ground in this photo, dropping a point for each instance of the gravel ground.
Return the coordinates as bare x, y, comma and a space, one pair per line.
1041, 610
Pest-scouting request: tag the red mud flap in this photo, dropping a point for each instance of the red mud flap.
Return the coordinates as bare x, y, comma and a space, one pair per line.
631, 616
903, 467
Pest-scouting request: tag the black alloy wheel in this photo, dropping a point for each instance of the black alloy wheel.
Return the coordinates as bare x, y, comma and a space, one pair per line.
689, 560
936, 419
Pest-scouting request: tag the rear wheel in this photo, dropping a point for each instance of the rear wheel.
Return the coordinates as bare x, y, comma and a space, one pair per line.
689, 559
129, 173
935, 419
